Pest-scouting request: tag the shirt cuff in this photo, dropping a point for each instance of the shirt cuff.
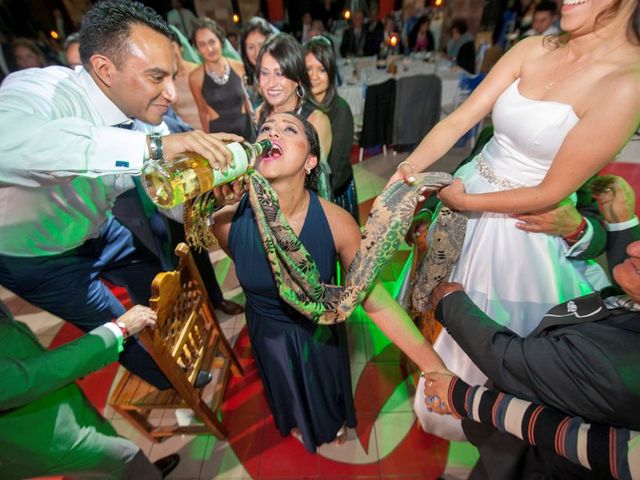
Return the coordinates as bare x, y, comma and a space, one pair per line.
616, 227
117, 150
581, 245
118, 333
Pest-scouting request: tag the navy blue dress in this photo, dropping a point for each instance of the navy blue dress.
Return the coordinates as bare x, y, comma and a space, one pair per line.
304, 366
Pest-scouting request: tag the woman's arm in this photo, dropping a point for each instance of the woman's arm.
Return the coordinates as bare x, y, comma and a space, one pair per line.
383, 310
605, 127
196, 79
238, 67
321, 122
479, 104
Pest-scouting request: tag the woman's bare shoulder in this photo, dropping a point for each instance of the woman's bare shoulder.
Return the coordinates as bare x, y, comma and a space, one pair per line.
340, 221
237, 65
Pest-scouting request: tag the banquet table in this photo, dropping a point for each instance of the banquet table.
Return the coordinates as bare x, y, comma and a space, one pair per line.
359, 73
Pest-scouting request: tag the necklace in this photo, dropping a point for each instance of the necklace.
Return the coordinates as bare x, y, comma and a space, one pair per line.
220, 79
550, 85
294, 220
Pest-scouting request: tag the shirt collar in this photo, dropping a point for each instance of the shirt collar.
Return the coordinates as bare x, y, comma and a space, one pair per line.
110, 113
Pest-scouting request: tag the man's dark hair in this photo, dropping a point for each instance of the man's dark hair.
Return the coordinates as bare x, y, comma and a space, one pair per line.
547, 6
105, 28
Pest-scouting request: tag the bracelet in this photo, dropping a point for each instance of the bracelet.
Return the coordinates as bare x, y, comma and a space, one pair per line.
123, 328
155, 146
578, 234
408, 164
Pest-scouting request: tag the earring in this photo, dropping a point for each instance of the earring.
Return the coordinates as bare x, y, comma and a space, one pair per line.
308, 170
300, 92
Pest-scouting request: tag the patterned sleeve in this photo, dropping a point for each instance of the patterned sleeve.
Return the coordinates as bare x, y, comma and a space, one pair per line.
608, 451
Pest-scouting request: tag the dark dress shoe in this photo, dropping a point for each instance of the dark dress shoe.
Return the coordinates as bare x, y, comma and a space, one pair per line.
167, 464
229, 307
204, 378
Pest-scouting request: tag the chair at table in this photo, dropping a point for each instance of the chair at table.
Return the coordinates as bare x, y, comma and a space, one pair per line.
377, 122
187, 339
417, 108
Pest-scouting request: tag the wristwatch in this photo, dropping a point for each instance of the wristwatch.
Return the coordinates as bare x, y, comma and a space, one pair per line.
155, 146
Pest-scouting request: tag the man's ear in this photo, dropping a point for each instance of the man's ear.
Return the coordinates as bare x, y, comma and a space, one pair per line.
103, 68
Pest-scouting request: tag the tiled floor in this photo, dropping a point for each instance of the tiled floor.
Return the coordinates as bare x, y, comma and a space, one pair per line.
386, 444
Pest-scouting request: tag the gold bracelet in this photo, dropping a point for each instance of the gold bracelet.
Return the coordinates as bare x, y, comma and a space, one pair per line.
407, 163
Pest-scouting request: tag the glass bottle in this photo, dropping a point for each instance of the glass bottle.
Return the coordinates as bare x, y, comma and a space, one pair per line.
170, 184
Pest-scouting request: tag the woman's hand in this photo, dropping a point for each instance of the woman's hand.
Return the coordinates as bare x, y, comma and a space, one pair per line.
404, 172
453, 195
436, 391
231, 193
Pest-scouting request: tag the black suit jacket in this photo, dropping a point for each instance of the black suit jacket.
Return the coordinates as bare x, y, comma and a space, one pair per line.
583, 359
352, 46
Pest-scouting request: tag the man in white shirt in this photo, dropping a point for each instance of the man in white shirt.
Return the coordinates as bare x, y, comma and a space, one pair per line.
62, 164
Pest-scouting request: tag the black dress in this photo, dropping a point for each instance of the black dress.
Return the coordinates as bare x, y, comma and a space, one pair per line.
227, 100
304, 367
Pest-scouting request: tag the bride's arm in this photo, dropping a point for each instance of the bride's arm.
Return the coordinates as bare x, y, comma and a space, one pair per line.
479, 104
381, 308
595, 140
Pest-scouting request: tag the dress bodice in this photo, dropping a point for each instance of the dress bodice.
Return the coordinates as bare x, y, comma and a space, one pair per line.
528, 135
252, 266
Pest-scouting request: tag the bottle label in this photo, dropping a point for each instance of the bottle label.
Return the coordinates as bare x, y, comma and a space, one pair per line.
241, 163
190, 182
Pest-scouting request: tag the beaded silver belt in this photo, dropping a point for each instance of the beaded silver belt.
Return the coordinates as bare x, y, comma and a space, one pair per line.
486, 172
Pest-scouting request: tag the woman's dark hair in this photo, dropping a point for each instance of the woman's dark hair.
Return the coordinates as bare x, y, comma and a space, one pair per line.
311, 180
322, 48
287, 51
105, 28
211, 25
413, 35
459, 24
255, 25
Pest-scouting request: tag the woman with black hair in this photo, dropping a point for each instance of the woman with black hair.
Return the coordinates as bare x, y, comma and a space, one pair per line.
285, 86
321, 67
303, 363
420, 37
217, 86
254, 34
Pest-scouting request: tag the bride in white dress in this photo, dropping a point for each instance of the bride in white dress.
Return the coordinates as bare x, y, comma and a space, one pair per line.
562, 109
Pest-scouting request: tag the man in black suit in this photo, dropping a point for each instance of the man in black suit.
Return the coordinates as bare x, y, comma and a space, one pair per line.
354, 38
583, 359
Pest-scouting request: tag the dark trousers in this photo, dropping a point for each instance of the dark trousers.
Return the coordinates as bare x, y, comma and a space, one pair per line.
68, 285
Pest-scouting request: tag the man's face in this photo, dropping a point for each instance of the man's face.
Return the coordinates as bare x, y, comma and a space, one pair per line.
627, 273
358, 20
542, 21
142, 85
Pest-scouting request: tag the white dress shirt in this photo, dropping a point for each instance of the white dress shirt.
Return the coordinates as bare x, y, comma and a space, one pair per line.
62, 163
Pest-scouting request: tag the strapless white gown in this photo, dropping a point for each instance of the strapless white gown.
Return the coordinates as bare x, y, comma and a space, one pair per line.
512, 275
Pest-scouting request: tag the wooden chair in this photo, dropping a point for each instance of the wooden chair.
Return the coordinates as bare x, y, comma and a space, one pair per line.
187, 339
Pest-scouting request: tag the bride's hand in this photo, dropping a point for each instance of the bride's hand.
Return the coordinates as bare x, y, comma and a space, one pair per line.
405, 172
453, 196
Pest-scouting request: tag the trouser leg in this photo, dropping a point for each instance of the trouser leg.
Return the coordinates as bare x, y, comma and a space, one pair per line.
69, 287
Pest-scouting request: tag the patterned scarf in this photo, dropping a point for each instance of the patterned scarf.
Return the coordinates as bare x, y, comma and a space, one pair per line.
295, 272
